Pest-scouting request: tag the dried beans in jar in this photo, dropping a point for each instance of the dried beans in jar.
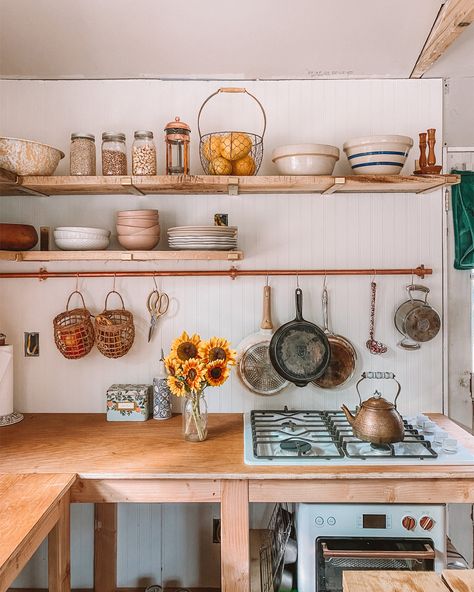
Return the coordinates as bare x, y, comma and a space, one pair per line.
143, 154
114, 154
82, 154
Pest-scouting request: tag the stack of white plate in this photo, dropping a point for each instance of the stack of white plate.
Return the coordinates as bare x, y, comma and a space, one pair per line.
203, 238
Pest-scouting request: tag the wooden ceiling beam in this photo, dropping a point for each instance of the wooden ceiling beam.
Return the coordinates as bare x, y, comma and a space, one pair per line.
453, 18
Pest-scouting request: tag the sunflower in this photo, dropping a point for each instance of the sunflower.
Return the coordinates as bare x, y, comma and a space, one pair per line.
217, 373
193, 373
172, 365
217, 349
176, 386
185, 347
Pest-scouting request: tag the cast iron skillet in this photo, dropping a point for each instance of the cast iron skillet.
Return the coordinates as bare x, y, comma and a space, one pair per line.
299, 350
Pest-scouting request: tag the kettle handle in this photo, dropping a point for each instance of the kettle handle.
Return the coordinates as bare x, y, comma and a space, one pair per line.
379, 376
418, 288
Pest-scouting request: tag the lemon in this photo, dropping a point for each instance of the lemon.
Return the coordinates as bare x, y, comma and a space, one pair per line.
220, 166
212, 147
235, 145
244, 166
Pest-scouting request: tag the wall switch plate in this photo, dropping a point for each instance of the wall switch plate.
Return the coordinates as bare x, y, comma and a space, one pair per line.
31, 345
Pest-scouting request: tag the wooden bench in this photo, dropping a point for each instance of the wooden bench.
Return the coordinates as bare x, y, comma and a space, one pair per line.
31, 508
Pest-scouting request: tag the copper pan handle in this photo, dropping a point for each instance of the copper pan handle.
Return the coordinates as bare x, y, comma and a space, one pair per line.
427, 554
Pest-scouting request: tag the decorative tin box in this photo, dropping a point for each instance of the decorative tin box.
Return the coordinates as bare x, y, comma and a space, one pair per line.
128, 402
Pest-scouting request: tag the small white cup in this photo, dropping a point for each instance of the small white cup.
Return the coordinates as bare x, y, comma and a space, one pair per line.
450, 445
420, 420
429, 426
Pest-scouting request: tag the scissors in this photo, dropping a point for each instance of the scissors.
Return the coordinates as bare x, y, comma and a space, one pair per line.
157, 305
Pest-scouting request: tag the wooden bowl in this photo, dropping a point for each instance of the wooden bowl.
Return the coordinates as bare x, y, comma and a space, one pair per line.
17, 237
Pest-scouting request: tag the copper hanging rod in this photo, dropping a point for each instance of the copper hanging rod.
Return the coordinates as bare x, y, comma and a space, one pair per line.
233, 273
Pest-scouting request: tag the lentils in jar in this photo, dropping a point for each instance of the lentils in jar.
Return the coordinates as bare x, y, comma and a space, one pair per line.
82, 154
143, 154
114, 154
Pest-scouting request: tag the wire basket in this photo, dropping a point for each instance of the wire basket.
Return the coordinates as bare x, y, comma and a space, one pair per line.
73, 330
114, 330
272, 550
231, 152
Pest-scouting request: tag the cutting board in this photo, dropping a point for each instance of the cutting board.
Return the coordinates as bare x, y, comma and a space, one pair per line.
392, 581
459, 580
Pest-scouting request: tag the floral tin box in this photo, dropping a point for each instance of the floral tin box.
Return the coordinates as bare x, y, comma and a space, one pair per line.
128, 402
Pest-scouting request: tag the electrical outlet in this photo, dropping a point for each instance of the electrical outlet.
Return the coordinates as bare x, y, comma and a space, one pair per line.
216, 530
31, 345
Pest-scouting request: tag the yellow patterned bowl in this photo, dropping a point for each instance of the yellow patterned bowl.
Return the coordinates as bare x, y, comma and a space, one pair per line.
25, 157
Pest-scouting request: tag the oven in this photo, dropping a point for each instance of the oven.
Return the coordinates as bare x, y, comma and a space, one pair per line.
333, 538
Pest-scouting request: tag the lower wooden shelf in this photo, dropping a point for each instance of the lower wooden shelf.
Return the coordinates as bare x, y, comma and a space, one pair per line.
121, 255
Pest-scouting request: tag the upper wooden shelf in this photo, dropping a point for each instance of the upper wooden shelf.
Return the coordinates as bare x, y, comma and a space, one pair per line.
121, 255
203, 184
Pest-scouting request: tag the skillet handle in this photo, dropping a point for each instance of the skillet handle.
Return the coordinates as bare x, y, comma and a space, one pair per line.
299, 304
267, 311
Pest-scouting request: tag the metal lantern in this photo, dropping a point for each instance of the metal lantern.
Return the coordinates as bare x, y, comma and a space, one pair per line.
177, 147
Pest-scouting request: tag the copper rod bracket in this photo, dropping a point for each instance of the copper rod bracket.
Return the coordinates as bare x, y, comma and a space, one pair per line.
43, 274
233, 272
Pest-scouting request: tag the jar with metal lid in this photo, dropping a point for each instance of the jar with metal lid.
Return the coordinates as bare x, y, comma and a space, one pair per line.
82, 154
143, 154
177, 147
114, 154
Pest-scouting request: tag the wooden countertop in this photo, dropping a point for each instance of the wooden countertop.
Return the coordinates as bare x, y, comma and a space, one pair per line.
90, 446
29, 508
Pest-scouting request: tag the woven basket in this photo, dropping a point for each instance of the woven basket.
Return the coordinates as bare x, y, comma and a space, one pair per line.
73, 331
114, 330
221, 152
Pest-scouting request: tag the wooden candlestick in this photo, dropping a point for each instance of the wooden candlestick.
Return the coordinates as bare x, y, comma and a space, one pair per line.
422, 161
431, 145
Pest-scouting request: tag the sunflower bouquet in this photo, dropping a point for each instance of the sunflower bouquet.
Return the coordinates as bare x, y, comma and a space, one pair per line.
193, 365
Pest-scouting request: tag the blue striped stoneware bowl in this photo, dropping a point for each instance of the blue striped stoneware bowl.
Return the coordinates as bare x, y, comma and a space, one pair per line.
378, 155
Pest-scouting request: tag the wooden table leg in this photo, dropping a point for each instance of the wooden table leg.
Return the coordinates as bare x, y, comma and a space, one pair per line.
105, 548
59, 544
235, 532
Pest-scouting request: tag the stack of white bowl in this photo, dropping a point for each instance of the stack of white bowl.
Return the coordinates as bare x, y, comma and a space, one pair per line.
138, 229
81, 238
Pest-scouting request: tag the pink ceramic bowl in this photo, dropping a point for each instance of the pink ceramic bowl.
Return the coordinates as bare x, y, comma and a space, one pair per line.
138, 223
138, 243
133, 231
138, 213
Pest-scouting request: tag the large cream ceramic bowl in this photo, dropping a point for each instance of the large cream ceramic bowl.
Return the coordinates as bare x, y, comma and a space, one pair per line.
305, 159
378, 155
25, 157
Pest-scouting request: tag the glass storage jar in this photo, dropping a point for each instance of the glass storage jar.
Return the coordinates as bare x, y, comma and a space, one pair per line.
143, 154
114, 154
82, 154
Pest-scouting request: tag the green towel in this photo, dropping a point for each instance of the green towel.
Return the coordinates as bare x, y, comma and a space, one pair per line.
463, 219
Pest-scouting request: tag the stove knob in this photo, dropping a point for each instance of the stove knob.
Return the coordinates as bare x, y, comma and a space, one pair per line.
426, 523
331, 521
319, 520
408, 523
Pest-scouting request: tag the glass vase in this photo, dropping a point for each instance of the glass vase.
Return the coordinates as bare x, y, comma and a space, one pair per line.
195, 418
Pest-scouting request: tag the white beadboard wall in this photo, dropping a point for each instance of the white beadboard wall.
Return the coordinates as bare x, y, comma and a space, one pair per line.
296, 231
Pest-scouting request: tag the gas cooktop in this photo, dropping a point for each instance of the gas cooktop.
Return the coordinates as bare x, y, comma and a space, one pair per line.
290, 437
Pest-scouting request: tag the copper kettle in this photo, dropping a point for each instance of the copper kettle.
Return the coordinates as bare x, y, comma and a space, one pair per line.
376, 420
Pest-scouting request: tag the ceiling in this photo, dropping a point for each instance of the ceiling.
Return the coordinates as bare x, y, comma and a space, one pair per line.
244, 39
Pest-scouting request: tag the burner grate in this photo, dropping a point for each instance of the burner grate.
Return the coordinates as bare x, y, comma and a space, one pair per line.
325, 435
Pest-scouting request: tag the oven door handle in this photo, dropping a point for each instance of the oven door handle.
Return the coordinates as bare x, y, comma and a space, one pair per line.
428, 553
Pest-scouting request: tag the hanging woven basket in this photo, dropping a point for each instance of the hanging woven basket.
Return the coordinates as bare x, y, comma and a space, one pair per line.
114, 330
73, 330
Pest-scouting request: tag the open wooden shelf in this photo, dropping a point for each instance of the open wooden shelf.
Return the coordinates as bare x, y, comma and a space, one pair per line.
204, 184
121, 255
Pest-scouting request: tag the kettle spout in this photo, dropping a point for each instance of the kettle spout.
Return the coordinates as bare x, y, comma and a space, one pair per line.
350, 418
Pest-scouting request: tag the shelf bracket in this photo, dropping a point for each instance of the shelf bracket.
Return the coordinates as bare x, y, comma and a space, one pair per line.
338, 181
233, 186
127, 183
